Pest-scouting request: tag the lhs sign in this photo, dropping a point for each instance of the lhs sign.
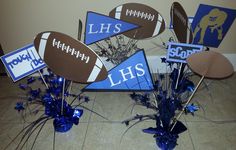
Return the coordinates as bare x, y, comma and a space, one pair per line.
179, 52
100, 27
131, 75
22, 62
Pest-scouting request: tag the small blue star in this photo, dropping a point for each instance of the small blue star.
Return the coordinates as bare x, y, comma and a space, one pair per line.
19, 106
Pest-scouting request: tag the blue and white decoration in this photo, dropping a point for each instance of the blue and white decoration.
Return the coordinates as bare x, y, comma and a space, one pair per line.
22, 62
99, 27
64, 114
131, 75
179, 52
164, 94
211, 24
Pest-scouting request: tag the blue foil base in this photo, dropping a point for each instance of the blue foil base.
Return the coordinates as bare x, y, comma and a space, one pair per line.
51, 99
62, 124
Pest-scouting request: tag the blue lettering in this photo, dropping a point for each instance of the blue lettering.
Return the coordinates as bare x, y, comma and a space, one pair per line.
15, 61
172, 52
189, 52
25, 57
19, 59
36, 62
180, 53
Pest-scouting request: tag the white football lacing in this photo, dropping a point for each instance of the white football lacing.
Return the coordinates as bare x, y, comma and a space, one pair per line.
140, 14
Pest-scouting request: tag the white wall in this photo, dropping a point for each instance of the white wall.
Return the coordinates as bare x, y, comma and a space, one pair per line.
21, 20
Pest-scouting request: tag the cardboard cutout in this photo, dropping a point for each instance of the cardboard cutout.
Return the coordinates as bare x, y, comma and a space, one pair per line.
150, 21
69, 58
131, 75
179, 52
22, 62
99, 27
210, 64
179, 21
211, 24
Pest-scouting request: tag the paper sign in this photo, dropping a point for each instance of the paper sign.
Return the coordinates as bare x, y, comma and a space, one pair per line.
179, 52
131, 75
211, 24
22, 62
99, 27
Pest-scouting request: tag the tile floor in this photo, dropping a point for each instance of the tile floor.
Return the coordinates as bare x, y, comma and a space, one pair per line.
212, 128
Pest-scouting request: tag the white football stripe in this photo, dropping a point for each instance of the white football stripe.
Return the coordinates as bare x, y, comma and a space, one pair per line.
96, 70
99, 63
46, 35
119, 8
94, 74
118, 12
158, 25
42, 44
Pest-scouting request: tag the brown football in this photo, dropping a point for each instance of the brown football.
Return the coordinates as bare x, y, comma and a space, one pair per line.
150, 21
210, 64
180, 23
69, 58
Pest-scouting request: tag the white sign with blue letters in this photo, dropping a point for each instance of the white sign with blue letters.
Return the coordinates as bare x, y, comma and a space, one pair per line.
22, 62
179, 52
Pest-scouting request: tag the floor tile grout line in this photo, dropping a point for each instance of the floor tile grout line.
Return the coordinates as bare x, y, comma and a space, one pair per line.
221, 122
189, 133
90, 116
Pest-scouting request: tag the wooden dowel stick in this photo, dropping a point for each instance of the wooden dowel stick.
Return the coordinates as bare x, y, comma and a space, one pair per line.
186, 104
43, 80
70, 87
177, 81
63, 95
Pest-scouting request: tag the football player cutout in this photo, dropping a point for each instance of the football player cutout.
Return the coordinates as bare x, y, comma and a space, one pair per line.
214, 20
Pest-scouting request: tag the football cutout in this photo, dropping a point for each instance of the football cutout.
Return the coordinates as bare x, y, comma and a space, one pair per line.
180, 23
150, 21
69, 58
210, 64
